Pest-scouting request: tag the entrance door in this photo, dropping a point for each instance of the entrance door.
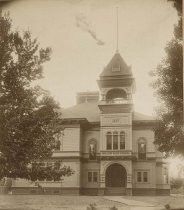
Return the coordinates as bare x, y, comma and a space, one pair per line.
115, 176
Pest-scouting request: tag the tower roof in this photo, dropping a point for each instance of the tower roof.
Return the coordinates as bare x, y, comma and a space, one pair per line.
116, 67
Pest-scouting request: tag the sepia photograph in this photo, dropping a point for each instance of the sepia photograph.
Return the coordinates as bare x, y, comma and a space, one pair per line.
91, 105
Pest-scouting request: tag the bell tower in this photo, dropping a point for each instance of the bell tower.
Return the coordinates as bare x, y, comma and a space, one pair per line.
117, 85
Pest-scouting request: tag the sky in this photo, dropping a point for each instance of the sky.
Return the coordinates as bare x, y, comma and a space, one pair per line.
82, 35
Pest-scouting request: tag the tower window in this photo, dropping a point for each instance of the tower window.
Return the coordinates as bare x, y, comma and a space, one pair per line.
115, 94
115, 68
109, 140
115, 141
122, 140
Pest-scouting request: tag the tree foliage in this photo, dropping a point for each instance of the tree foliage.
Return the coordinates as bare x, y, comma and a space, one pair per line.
168, 86
176, 183
28, 116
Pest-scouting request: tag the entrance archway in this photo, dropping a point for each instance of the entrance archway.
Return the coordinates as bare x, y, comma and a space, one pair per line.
115, 176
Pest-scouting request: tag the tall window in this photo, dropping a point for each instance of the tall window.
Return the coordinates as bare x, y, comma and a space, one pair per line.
109, 140
92, 150
57, 145
145, 176
58, 138
122, 140
90, 175
139, 176
95, 176
166, 177
115, 140
142, 149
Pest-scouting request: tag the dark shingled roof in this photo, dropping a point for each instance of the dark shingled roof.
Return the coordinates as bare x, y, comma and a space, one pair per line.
116, 61
91, 112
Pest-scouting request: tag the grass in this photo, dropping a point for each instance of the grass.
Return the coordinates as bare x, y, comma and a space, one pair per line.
54, 202
57, 202
174, 201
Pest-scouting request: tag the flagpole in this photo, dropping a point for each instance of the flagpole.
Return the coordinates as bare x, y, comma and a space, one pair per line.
117, 33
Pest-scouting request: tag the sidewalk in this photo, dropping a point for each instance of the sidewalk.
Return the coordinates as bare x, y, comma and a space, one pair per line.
133, 204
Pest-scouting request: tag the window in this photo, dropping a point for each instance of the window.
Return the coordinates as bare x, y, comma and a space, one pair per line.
116, 67
139, 177
166, 177
115, 140
89, 176
109, 140
142, 176
145, 176
122, 140
57, 145
58, 139
93, 176
141, 149
92, 151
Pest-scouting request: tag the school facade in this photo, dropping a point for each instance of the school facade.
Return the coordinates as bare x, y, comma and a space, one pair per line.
108, 145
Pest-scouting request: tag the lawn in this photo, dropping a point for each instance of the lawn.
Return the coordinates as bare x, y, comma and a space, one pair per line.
175, 201
55, 202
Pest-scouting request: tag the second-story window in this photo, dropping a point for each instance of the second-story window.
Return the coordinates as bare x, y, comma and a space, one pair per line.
92, 151
122, 140
142, 149
57, 145
115, 140
109, 140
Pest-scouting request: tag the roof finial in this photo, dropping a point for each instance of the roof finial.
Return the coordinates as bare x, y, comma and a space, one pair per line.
117, 32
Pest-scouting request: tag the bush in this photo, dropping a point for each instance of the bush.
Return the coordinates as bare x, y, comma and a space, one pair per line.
176, 183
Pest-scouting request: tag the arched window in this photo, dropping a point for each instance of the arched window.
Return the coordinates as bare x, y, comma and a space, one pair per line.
109, 141
116, 93
142, 149
57, 144
115, 140
92, 150
122, 140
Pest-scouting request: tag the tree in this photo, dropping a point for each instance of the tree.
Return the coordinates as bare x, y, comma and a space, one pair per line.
168, 85
28, 114
176, 183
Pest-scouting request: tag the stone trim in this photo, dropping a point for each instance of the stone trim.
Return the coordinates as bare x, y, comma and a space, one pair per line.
85, 191
46, 190
118, 158
150, 191
144, 191
163, 191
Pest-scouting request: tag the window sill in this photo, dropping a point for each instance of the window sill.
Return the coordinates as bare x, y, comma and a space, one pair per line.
142, 183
